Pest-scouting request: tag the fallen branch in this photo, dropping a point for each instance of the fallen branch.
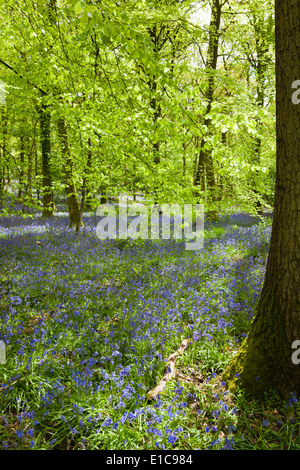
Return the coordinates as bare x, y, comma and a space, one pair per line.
169, 371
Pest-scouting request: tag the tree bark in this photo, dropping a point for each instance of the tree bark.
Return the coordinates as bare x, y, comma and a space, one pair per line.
264, 360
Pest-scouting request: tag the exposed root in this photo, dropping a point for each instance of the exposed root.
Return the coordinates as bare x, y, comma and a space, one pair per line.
169, 371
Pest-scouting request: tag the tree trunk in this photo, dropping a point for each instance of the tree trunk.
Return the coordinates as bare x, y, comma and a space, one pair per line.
29, 172
199, 167
205, 155
48, 204
86, 198
36, 170
22, 171
155, 103
4, 119
264, 360
260, 65
28, 199
73, 204
158, 38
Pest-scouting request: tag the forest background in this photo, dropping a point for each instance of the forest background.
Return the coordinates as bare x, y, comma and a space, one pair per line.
172, 100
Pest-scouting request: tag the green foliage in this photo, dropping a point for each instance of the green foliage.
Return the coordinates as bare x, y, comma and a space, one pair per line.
131, 84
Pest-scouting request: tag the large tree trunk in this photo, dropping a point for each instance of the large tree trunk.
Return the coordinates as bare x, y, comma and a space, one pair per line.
264, 360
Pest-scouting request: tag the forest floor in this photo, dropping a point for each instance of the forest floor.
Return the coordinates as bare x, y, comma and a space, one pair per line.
89, 325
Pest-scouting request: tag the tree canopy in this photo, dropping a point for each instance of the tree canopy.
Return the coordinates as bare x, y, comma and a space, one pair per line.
173, 98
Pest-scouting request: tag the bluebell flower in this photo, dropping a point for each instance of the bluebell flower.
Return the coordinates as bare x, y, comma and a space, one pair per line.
293, 399
30, 432
172, 438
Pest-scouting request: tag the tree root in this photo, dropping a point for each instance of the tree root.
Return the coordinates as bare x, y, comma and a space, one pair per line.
169, 371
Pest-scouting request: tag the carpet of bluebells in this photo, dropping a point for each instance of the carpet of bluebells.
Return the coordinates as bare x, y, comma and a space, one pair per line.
88, 325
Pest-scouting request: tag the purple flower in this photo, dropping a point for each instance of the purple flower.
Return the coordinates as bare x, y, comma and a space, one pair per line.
172, 438
292, 400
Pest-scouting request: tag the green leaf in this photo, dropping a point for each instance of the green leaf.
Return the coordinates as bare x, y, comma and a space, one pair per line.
78, 8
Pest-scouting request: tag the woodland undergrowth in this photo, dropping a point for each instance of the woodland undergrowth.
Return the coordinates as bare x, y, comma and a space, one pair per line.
89, 324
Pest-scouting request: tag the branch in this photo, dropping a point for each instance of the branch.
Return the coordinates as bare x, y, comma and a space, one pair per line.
170, 371
21, 76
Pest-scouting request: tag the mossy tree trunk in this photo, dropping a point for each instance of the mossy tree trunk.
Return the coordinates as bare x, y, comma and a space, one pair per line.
264, 360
